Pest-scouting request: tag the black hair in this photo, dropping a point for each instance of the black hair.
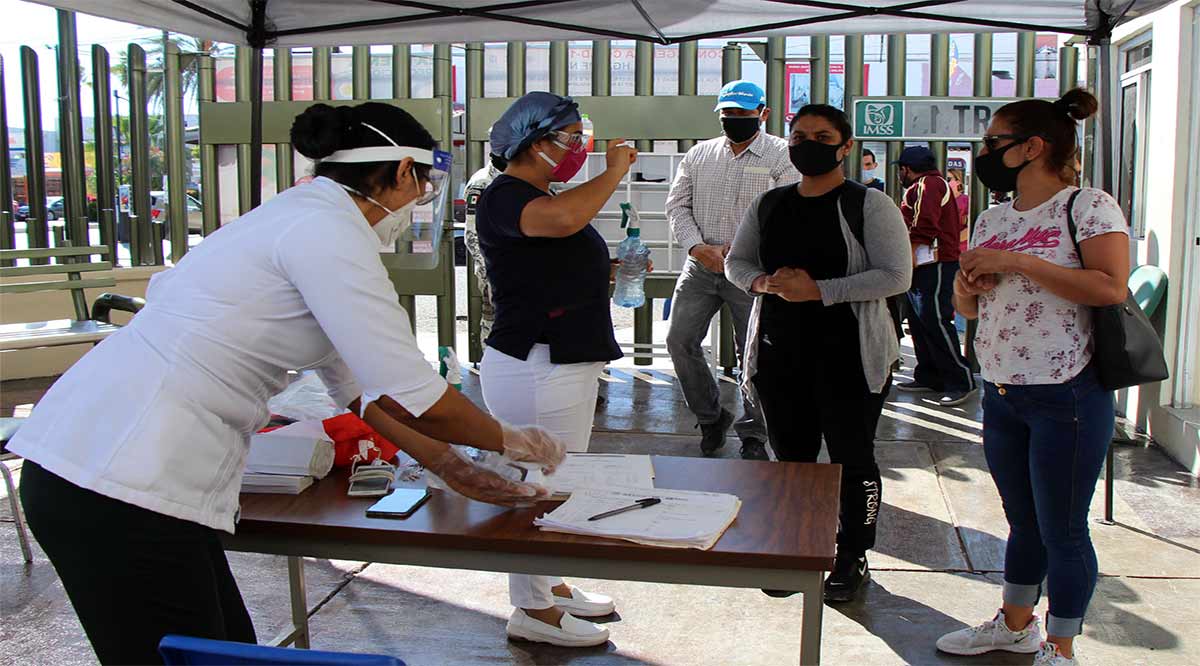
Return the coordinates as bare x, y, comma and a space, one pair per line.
868, 153
834, 115
321, 130
1055, 122
498, 162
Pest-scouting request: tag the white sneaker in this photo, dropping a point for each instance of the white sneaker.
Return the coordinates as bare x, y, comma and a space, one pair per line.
1048, 655
585, 604
573, 633
994, 635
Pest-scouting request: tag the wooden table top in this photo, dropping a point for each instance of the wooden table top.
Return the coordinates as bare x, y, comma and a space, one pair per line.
788, 518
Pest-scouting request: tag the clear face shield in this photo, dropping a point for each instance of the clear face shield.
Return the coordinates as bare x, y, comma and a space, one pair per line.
425, 232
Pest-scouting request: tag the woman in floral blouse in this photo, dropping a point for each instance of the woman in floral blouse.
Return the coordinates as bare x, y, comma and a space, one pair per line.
1047, 422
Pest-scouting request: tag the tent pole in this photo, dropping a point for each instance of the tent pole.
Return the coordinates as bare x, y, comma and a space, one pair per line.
257, 37
1108, 113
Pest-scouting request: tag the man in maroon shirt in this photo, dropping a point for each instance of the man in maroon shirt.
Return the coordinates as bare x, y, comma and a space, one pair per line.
931, 212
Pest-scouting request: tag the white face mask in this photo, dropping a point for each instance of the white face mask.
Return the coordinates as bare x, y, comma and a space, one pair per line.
868, 175
395, 222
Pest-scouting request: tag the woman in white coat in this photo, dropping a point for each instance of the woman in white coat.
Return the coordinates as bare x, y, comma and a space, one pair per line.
134, 457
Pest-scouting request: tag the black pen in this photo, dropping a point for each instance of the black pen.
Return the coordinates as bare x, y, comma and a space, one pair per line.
640, 504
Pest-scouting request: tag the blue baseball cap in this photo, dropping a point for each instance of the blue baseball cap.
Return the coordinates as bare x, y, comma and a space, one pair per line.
741, 95
919, 158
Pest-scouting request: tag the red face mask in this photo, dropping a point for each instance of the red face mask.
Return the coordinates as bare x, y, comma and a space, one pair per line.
570, 164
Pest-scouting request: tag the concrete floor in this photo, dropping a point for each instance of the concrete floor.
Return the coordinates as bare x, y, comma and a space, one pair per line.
936, 567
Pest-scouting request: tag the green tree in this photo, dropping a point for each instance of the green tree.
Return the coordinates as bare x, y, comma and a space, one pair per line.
190, 49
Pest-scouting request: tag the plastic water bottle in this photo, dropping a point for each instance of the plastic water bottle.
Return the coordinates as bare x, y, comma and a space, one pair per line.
589, 131
635, 259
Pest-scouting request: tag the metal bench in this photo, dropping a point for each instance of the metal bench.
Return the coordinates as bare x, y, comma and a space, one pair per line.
90, 324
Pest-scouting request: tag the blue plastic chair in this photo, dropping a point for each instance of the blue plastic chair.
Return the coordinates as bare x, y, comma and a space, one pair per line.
187, 651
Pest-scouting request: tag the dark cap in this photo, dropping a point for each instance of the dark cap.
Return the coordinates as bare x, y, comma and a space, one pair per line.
917, 158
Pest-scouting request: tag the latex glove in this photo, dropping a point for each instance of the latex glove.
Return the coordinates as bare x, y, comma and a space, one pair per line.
483, 485
533, 444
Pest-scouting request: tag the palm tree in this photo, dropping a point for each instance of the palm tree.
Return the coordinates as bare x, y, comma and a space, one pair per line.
190, 51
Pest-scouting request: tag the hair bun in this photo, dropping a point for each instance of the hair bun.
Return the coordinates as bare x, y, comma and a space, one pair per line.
1079, 104
320, 130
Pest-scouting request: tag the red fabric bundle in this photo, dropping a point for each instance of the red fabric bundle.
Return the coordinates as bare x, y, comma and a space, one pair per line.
355, 441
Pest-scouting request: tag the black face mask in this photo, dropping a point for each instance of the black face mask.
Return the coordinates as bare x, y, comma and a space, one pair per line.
740, 129
813, 158
995, 174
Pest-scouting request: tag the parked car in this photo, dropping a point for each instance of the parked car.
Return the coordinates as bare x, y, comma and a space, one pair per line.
54, 209
158, 211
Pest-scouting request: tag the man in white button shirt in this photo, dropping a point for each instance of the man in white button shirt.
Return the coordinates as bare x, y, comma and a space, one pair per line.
716, 182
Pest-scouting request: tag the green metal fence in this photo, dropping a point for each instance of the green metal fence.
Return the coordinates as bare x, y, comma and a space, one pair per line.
685, 118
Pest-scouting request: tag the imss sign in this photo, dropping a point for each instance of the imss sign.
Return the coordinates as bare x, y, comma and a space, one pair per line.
924, 118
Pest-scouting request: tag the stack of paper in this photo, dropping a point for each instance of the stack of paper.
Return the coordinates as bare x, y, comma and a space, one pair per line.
596, 470
684, 519
276, 484
300, 449
284, 461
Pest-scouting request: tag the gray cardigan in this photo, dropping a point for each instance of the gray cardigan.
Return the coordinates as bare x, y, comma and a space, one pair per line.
867, 284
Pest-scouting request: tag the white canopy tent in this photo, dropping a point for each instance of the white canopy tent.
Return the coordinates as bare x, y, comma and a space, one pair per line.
323, 23
283, 23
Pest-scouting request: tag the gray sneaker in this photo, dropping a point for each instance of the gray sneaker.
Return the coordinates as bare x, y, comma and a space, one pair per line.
1049, 655
993, 635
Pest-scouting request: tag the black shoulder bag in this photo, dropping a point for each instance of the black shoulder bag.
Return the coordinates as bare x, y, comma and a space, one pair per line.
1127, 351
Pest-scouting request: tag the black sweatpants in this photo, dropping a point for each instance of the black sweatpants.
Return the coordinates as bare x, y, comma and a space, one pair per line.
940, 361
804, 397
133, 575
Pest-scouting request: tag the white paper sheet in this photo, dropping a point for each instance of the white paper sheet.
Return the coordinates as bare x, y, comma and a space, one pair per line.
684, 519
596, 470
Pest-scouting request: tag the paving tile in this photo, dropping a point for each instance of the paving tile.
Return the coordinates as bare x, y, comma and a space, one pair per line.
1130, 548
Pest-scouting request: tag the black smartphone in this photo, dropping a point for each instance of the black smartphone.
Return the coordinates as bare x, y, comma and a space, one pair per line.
401, 503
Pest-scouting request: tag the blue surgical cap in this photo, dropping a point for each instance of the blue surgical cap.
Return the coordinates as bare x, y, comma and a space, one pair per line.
528, 119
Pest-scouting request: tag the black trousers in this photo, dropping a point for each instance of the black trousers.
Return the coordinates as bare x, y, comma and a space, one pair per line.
940, 361
133, 575
804, 398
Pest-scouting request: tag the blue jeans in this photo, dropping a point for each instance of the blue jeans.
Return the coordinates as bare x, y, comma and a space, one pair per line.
699, 295
1045, 445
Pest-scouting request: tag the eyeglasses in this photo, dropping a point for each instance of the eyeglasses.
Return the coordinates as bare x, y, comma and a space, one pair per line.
992, 141
573, 142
